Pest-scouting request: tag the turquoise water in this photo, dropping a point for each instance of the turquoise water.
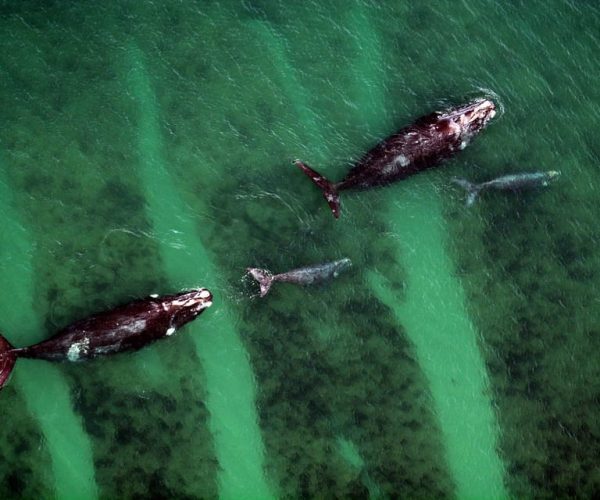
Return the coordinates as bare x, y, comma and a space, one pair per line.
145, 148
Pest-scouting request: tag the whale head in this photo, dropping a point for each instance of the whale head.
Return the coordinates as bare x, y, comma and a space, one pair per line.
341, 265
467, 120
475, 116
185, 306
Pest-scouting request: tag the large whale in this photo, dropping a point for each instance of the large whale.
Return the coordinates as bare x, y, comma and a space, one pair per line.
301, 276
128, 327
512, 182
415, 148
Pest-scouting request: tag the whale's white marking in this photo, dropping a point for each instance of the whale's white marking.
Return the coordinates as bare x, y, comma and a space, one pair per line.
390, 168
154, 295
135, 326
170, 331
456, 129
77, 349
401, 160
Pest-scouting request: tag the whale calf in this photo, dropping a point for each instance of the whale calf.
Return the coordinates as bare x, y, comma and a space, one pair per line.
513, 182
301, 276
127, 327
415, 148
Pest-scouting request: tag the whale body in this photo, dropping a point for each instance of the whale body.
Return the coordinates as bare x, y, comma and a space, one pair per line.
301, 276
512, 182
127, 327
415, 148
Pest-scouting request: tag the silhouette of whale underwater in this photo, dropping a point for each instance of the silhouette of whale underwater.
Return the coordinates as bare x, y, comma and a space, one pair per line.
301, 276
511, 182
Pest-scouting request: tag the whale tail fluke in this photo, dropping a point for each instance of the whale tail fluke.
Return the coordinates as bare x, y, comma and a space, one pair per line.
264, 278
471, 188
330, 193
7, 360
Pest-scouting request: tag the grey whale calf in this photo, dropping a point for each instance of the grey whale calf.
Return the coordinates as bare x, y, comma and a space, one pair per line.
513, 182
301, 276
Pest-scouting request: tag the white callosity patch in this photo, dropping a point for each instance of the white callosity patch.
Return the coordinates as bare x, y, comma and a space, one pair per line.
389, 169
192, 302
398, 161
134, 326
455, 127
401, 160
170, 331
78, 349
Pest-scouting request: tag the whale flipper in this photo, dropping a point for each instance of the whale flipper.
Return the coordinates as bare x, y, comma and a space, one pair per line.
264, 278
7, 360
471, 188
329, 190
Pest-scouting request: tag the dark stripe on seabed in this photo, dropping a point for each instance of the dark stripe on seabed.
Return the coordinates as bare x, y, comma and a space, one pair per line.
432, 308
229, 379
332, 366
24, 465
342, 403
92, 228
289, 355
541, 322
120, 405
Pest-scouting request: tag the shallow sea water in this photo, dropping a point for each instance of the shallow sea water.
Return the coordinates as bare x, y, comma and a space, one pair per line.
145, 148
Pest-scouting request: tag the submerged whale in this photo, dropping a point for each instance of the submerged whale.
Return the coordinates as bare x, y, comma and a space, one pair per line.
128, 327
513, 182
301, 276
415, 148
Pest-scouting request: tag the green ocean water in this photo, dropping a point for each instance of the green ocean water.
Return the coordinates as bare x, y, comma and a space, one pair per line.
145, 148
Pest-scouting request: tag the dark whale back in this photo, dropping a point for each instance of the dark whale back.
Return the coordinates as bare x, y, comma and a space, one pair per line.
415, 148
127, 327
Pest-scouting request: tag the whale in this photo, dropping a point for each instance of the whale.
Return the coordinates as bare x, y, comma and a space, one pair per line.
415, 148
125, 328
512, 182
301, 276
